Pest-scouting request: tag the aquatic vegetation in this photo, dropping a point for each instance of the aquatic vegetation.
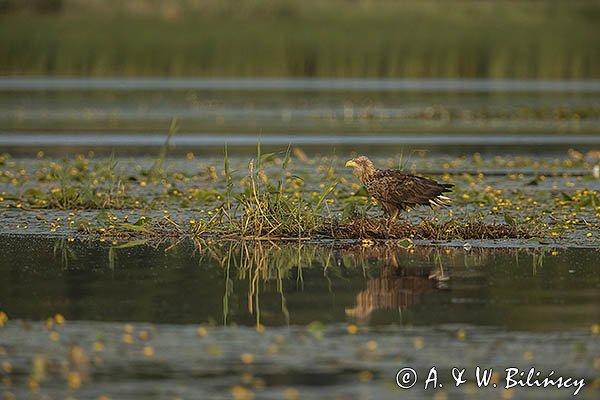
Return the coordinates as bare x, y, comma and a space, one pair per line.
265, 211
156, 171
290, 195
273, 211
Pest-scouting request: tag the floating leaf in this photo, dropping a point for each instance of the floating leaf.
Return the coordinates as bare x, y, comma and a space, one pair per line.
83, 224
133, 227
33, 192
508, 219
133, 243
533, 182
142, 221
405, 243
566, 197
102, 215
316, 328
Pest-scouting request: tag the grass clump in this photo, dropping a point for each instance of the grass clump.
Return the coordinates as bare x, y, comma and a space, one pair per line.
271, 212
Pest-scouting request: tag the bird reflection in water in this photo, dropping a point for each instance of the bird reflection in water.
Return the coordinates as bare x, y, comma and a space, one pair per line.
395, 288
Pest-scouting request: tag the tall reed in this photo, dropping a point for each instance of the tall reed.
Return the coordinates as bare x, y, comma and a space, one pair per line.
498, 39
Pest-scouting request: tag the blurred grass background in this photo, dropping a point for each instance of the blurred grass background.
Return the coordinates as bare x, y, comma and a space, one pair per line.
542, 39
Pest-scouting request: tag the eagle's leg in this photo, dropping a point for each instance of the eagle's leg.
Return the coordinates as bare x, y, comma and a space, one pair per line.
392, 213
387, 210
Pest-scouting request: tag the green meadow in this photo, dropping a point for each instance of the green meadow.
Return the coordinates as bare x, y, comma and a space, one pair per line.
340, 38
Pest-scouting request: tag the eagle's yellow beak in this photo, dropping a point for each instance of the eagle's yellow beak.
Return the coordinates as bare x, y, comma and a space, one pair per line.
351, 163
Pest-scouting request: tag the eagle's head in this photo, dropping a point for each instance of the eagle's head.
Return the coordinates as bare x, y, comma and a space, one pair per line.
363, 167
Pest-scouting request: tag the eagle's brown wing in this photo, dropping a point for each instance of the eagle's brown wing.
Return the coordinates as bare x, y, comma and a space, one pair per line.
405, 190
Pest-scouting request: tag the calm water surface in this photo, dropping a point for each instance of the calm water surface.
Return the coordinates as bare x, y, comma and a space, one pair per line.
429, 306
284, 106
296, 284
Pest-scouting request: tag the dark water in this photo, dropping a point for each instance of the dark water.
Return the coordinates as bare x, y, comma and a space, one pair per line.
296, 284
424, 307
127, 144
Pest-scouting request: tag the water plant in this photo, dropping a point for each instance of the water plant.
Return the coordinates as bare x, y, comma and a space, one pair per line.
289, 195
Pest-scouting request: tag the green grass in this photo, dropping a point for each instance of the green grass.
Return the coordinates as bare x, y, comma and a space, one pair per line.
499, 39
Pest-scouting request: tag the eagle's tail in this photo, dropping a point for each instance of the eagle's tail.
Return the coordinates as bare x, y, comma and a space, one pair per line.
440, 201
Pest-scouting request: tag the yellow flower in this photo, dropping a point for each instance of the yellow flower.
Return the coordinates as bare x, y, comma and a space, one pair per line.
148, 351
247, 358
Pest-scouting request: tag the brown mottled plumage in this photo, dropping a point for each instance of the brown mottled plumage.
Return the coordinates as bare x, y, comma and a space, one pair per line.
396, 190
